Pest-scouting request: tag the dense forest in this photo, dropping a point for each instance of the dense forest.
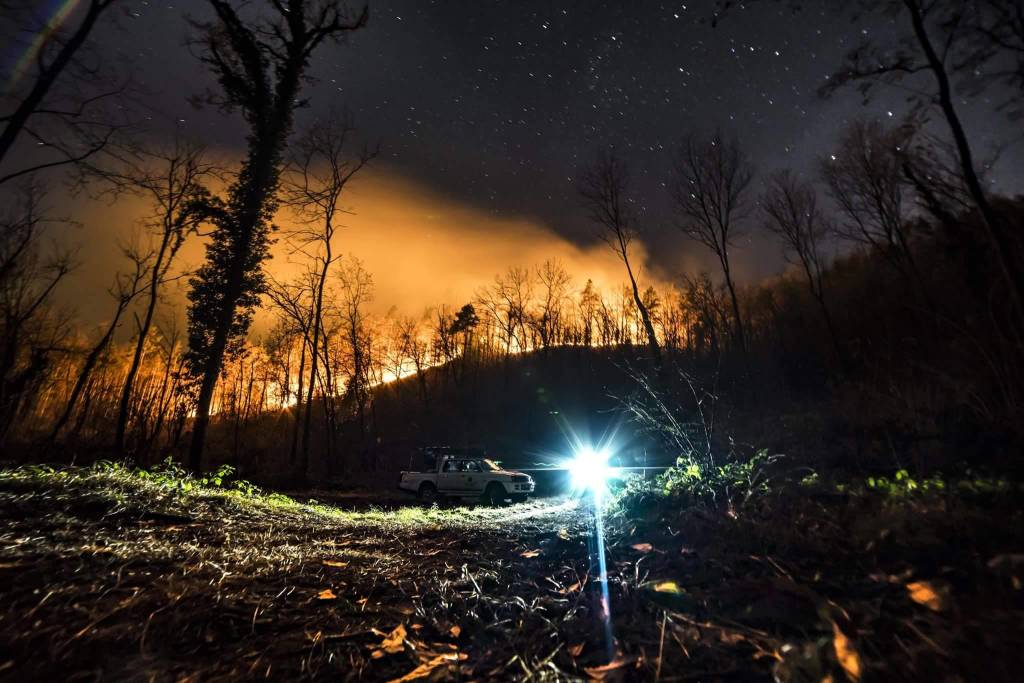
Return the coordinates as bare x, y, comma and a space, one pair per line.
895, 320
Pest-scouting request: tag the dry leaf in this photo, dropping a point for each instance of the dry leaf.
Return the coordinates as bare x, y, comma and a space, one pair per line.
424, 669
455, 631
667, 587
642, 547
530, 553
932, 595
571, 589
326, 594
335, 563
575, 650
563, 534
846, 653
393, 643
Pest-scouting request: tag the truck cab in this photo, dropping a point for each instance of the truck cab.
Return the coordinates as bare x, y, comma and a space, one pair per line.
466, 476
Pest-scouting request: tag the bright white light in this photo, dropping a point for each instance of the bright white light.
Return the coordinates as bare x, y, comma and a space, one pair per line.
590, 470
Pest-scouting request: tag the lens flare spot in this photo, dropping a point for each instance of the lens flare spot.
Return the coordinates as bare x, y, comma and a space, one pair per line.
589, 469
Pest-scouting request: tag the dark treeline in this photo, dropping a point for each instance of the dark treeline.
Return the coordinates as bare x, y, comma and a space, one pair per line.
895, 334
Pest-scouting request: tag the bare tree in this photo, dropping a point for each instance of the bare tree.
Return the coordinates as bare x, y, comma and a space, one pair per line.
711, 318
708, 189
554, 282
260, 67
127, 286
992, 49
165, 404
865, 180
416, 349
295, 305
515, 290
173, 181
936, 30
356, 292
931, 168
395, 357
790, 208
29, 276
68, 124
507, 302
605, 188
320, 169
443, 340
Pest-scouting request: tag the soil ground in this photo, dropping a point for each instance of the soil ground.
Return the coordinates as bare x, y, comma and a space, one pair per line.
97, 585
106, 577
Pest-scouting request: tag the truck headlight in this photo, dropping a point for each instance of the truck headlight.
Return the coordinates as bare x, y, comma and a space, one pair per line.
589, 469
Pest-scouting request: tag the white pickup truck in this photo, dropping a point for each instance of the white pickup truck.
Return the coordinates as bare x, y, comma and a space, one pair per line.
468, 477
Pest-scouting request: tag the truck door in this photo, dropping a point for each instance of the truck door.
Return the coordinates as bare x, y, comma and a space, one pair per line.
449, 478
473, 479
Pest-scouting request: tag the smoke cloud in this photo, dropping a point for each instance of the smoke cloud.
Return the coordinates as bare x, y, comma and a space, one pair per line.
422, 248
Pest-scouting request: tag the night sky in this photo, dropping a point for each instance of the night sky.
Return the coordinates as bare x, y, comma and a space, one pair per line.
499, 105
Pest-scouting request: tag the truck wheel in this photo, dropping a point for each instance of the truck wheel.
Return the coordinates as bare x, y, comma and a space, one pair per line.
428, 493
494, 495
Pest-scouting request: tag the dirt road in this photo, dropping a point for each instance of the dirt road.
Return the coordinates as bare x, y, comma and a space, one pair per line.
120, 575
101, 585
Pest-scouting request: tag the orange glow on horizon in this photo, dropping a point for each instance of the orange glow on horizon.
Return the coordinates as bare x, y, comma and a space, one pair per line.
422, 249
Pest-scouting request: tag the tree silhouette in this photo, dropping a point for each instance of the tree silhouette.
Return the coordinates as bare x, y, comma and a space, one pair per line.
173, 181
937, 32
260, 67
991, 50
295, 305
356, 293
29, 275
127, 286
321, 168
605, 188
790, 208
708, 189
554, 282
72, 131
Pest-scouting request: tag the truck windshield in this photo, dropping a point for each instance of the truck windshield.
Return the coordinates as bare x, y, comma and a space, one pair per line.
490, 465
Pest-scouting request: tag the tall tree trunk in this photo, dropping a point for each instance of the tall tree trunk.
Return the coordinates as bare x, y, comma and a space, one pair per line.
298, 402
734, 300
207, 385
261, 183
1004, 247
314, 356
645, 316
124, 405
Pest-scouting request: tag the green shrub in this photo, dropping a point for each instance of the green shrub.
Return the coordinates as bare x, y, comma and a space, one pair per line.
691, 482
